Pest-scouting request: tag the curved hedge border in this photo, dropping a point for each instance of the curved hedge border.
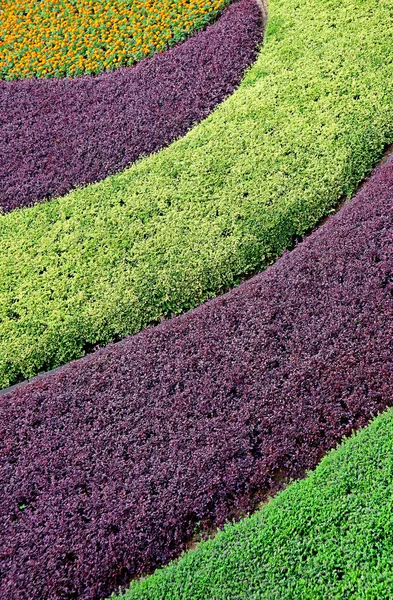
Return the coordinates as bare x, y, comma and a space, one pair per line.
58, 134
59, 38
328, 536
109, 464
308, 122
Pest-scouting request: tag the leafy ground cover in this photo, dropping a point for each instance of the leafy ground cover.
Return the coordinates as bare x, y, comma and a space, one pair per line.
308, 122
57, 134
110, 464
73, 37
328, 536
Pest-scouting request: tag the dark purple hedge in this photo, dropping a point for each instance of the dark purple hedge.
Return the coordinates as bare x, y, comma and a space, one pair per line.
58, 134
108, 465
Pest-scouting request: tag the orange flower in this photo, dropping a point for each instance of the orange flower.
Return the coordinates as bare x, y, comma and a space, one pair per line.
39, 37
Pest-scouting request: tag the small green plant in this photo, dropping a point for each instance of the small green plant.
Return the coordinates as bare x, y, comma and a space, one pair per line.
327, 536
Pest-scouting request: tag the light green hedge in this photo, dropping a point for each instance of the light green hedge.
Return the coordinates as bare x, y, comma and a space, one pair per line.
310, 119
327, 537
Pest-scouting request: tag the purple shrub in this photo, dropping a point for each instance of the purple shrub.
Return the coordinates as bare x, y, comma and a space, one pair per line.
108, 464
60, 133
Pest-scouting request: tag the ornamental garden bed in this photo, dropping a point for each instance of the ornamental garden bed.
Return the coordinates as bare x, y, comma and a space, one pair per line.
114, 463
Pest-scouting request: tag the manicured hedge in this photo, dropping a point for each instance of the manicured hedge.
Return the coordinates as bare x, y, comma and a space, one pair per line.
58, 38
58, 134
110, 464
327, 537
310, 119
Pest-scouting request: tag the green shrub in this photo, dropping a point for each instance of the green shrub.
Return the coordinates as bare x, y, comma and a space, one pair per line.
329, 536
309, 121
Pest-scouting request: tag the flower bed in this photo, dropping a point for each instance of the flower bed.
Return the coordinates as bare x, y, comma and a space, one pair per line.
310, 119
58, 134
74, 37
113, 462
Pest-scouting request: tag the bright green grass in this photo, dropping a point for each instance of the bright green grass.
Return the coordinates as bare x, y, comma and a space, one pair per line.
329, 536
310, 119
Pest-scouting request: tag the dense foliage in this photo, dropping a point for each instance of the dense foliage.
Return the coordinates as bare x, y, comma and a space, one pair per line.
60, 133
110, 464
58, 38
327, 537
309, 120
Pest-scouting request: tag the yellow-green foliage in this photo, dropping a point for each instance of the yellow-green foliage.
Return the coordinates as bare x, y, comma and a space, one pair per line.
310, 119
